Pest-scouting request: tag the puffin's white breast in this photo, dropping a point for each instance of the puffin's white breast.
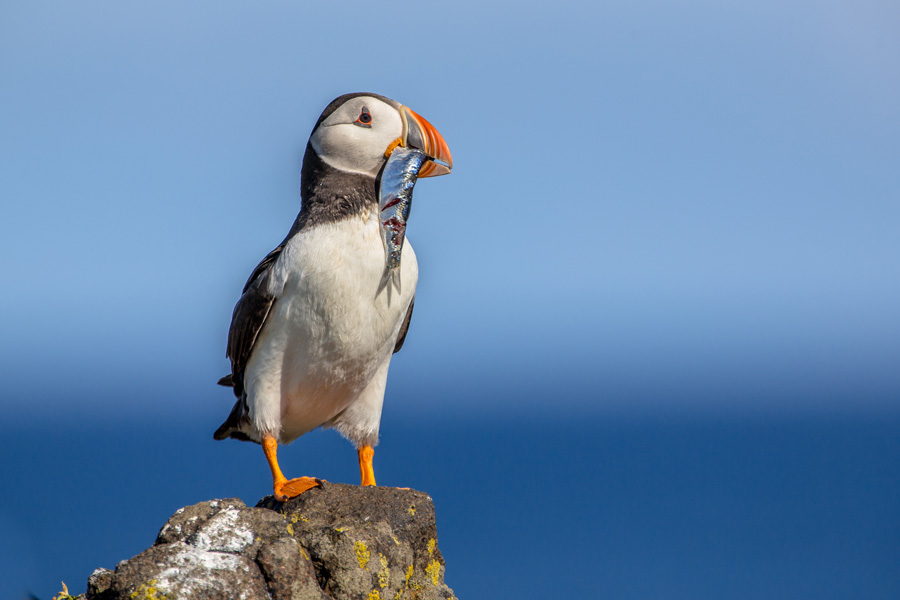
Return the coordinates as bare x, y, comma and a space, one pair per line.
331, 328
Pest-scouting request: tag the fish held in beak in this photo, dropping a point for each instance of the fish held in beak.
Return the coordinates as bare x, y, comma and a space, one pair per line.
395, 200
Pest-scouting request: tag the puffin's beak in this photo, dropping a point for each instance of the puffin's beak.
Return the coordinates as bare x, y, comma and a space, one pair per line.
420, 134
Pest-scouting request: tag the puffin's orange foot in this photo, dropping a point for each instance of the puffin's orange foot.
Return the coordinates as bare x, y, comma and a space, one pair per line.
295, 487
365, 465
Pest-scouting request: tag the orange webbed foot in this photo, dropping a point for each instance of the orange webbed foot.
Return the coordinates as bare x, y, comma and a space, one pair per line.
294, 487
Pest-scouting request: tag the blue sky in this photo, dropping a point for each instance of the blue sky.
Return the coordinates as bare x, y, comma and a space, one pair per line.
689, 204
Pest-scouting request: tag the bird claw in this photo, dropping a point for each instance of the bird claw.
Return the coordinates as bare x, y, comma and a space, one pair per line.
295, 487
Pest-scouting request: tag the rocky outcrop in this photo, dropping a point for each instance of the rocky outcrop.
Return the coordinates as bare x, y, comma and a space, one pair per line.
330, 543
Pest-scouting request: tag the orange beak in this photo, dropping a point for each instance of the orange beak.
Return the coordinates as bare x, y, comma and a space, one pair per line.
420, 134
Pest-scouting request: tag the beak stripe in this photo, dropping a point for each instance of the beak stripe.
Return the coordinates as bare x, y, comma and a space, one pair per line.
422, 133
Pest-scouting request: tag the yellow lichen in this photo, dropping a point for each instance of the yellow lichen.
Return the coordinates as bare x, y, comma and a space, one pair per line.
303, 553
411, 510
431, 544
407, 584
147, 591
433, 570
290, 529
341, 529
384, 573
362, 554
396, 541
374, 595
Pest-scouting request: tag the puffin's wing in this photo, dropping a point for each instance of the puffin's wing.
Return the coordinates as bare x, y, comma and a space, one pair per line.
401, 337
250, 312
248, 319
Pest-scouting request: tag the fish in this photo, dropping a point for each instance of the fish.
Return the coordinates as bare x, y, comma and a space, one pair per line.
398, 178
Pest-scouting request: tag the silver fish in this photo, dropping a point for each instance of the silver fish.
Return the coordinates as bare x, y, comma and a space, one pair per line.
395, 200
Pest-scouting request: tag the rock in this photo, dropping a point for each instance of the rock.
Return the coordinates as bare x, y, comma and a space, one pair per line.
99, 582
330, 543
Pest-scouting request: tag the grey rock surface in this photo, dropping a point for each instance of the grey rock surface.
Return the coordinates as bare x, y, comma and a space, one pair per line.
330, 543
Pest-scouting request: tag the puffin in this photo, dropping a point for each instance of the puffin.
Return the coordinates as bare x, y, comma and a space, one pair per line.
314, 330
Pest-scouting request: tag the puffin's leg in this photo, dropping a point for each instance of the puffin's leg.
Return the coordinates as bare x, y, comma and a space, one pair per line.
365, 465
284, 489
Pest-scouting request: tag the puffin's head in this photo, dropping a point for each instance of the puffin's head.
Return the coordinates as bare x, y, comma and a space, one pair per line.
357, 133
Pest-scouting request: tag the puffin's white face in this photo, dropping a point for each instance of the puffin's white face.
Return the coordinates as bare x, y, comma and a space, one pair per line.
356, 136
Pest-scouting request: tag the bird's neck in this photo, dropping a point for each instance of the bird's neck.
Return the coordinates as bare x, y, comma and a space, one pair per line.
329, 195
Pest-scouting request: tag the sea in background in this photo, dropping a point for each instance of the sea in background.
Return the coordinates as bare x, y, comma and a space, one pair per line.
616, 506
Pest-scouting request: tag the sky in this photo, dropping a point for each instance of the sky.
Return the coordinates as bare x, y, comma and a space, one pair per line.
692, 200
677, 208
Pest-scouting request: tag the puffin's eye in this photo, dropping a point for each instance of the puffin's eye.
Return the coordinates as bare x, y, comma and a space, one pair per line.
365, 118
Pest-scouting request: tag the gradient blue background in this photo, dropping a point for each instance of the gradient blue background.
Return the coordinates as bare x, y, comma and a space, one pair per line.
656, 348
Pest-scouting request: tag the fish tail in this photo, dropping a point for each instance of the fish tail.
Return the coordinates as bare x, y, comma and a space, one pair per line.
390, 279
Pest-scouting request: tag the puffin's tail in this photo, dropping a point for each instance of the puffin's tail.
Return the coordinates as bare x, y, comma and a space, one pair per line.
237, 424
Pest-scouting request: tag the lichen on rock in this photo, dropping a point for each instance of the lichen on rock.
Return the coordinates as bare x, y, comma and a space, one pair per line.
331, 543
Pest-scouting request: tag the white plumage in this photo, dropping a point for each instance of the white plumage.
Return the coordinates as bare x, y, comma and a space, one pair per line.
322, 356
